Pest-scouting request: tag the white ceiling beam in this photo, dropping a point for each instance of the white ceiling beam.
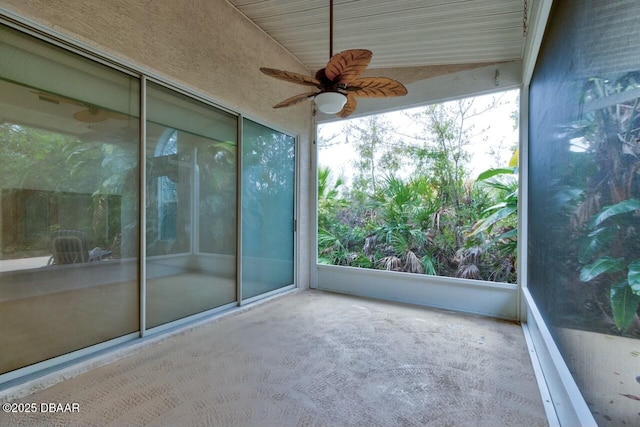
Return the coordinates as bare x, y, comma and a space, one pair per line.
537, 25
430, 90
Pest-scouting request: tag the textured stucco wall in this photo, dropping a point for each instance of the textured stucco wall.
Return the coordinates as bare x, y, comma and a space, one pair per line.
206, 45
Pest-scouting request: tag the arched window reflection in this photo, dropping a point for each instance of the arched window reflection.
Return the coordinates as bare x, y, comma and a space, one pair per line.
190, 207
167, 197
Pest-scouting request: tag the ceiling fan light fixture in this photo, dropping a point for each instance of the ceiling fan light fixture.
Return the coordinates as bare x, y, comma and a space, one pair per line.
340, 76
330, 102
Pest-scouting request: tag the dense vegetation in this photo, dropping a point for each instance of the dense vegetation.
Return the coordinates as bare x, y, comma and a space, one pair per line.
411, 203
598, 198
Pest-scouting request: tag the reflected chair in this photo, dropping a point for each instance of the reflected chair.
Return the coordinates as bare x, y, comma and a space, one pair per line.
70, 247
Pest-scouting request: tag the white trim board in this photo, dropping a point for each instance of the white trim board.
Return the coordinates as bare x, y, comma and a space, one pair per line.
570, 406
462, 84
470, 296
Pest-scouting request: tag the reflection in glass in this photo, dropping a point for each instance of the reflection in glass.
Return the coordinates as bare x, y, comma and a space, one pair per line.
268, 181
191, 207
584, 198
68, 202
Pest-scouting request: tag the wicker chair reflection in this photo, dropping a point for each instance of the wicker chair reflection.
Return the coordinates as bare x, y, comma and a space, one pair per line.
70, 247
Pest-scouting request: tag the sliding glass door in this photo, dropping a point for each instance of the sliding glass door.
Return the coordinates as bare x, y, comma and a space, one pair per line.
70, 206
190, 206
68, 202
268, 188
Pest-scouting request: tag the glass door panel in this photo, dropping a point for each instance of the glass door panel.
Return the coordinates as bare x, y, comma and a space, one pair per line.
191, 206
268, 204
68, 202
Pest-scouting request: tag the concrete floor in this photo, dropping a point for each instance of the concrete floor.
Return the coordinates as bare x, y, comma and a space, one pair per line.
312, 359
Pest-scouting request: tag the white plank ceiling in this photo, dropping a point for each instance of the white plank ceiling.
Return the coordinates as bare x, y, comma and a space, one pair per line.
401, 33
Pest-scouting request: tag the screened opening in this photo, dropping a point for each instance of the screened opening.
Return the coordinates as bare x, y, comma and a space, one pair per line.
430, 190
584, 199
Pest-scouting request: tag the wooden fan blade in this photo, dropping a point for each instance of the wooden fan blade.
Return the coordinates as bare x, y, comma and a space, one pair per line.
376, 87
118, 116
56, 99
345, 66
349, 107
91, 116
295, 100
291, 77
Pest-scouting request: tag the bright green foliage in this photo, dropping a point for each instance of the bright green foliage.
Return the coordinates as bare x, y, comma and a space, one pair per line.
608, 227
328, 197
497, 227
598, 192
401, 210
634, 276
624, 304
601, 266
336, 241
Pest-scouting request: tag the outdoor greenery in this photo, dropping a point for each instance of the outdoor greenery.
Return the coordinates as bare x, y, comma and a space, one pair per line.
601, 199
51, 181
412, 203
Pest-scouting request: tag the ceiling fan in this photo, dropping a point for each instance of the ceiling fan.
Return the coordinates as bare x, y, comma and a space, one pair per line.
338, 82
92, 114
